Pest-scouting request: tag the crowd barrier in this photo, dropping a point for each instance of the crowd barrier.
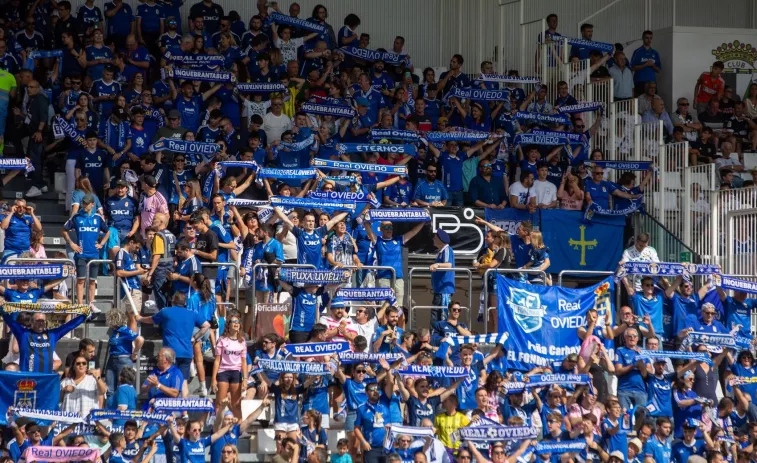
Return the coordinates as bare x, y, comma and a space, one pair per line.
413, 308
648, 140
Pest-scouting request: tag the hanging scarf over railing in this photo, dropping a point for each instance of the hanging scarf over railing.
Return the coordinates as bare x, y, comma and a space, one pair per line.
36, 271
376, 148
328, 110
317, 349
261, 87
388, 57
595, 209
392, 134
310, 203
48, 307
314, 277
360, 167
666, 269
279, 18
185, 147
291, 366
14, 163
399, 215
197, 74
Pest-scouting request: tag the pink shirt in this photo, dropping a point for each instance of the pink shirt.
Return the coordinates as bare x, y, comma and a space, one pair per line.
148, 207
231, 352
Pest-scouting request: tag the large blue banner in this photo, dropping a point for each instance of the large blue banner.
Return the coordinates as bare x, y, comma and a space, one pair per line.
575, 245
509, 219
543, 321
28, 390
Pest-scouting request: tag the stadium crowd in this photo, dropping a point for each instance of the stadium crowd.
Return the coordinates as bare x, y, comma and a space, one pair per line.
172, 177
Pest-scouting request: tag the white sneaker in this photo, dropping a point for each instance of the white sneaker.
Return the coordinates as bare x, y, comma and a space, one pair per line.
203, 391
33, 192
44, 189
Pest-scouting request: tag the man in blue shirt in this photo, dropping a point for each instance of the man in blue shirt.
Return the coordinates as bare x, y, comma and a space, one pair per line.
165, 380
599, 190
442, 282
631, 373
389, 253
105, 91
581, 52
189, 264
18, 226
91, 235
121, 210
370, 425
210, 12
309, 238
455, 77
645, 63
430, 191
177, 325
93, 163
189, 104
738, 311
128, 270
371, 96
451, 162
658, 446
121, 22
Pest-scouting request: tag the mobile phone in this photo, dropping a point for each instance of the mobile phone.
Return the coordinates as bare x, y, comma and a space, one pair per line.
91, 365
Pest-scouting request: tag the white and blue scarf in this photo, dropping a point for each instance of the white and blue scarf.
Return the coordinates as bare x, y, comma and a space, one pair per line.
366, 294
391, 58
196, 60
734, 284
37, 272
508, 79
292, 366
667, 268
183, 405
652, 355
463, 135
14, 163
314, 277
357, 197
279, 18
588, 106
360, 167
328, 110
70, 131
102, 414
36, 54
560, 447
401, 430
203, 76
185, 147
589, 44
261, 87
718, 340
376, 148
392, 134
479, 94
317, 349
547, 380
432, 371
524, 116
399, 215
494, 432
491, 338
622, 165
350, 357
244, 164
310, 203
291, 174
342, 179
49, 415
238, 202
595, 209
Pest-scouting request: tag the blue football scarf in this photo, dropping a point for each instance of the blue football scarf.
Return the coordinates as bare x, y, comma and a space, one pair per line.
401, 430
358, 197
399, 215
479, 94
491, 338
589, 44
366, 294
508, 79
667, 268
718, 340
524, 116
315, 277
547, 380
470, 135
596, 209
14, 163
261, 87
279, 18
492, 432
376, 148
392, 134
560, 447
317, 349
185, 147
196, 60
310, 203
36, 54
622, 165
734, 284
203, 76
588, 106
328, 110
388, 57
244, 164
673, 354
342, 179
360, 167
350, 357
150, 113
49, 415
434, 371
70, 131
292, 174
291, 366
102, 414
237, 202
296, 146
184, 405
36, 272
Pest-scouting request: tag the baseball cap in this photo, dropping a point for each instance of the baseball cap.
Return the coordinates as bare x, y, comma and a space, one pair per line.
442, 119
121, 183
338, 303
150, 181
443, 236
120, 113
88, 199
174, 114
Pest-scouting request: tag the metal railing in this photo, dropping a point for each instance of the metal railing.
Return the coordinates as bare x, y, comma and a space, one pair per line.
504, 271
233, 265
529, 44
700, 185
375, 267
648, 140
742, 250
601, 92
254, 289
456, 270
88, 279
120, 284
624, 117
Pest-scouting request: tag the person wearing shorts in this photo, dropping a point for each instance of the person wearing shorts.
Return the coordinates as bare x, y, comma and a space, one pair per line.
286, 394
230, 365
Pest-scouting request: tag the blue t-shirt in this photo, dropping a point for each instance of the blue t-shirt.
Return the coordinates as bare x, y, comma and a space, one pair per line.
100, 88
620, 204
631, 381
125, 394
640, 56
452, 170
272, 246
121, 212
88, 229
652, 307
206, 309
187, 268
120, 23
660, 450
310, 245
371, 421
682, 451
389, 253
304, 310
194, 452
287, 405
400, 192
151, 16
31, 295
95, 72
355, 394
92, 163
120, 342
430, 192
316, 397
177, 325
417, 410
190, 111
618, 441
739, 313
600, 193
681, 414
125, 262
443, 282
230, 438
466, 391
683, 308
521, 250
18, 234
659, 395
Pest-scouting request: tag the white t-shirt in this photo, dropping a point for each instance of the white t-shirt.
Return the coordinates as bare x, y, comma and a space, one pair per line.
367, 331
289, 49
546, 193
522, 193
274, 126
649, 254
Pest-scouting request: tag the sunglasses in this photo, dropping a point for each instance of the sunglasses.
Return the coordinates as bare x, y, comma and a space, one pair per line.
387, 227
708, 313
80, 363
455, 309
362, 372
683, 104
234, 320
373, 389
360, 311
226, 452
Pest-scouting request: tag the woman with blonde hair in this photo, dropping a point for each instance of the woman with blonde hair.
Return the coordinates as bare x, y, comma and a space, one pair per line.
83, 187
190, 201
539, 254
227, 47
230, 365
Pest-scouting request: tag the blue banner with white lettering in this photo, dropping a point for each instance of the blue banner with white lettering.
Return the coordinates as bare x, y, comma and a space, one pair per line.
543, 321
575, 245
376, 148
28, 390
508, 219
